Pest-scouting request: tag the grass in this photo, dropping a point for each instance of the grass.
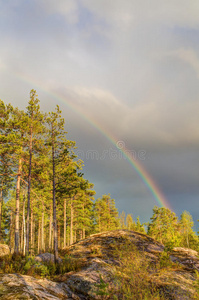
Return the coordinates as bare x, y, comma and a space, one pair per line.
29, 266
133, 273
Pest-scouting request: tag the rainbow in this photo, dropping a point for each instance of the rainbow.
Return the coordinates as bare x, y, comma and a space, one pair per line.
143, 174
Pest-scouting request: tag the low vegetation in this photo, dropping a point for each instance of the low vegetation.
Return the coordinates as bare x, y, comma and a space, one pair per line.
47, 205
126, 265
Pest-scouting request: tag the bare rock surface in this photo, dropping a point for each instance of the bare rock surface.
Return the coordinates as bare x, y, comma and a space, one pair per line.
97, 253
46, 257
187, 257
15, 286
4, 250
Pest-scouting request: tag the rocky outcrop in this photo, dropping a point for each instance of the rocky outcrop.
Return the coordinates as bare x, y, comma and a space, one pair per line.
98, 260
46, 257
15, 286
4, 250
186, 257
175, 283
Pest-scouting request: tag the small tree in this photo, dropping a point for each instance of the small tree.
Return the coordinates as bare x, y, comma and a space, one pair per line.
188, 236
130, 224
164, 226
106, 215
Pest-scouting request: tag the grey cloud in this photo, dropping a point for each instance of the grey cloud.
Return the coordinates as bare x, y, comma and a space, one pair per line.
169, 12
130, 67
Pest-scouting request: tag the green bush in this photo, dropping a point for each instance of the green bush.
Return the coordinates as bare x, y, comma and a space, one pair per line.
102, 288
165, 260
41, 270
132, 276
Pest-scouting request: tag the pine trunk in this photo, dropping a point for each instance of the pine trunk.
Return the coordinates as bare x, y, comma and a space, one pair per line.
64, 223
42, 228
50, 229
71, 222
38, 245
83, 230
24, 226
75, 236
11, 230
31, 232
16, 250
54, 204
187, 239
59, 235
1, 205
33, 236
29, 186
22, 229
21, 245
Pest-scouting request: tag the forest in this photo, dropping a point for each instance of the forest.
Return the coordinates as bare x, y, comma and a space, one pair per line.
46, 204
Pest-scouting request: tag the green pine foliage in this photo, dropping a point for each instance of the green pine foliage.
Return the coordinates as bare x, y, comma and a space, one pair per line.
105, 214
46, 203
164, 226
189, 238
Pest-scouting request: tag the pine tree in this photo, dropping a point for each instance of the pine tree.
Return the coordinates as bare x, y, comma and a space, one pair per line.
35, 128
106, 215
122, 220
59, 147
164, 226
37, 164
6, 172
139, 227
189, 238
130, 224
17, 142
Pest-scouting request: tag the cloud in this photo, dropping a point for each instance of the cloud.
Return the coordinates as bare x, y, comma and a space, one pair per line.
155, 120
130, 66
171, 12
188, 56
68, 9
137, 86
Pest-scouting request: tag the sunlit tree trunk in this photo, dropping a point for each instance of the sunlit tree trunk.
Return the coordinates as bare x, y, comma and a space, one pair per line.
24, 225
29, 188
22, 230
75, 235
71, 221
16, 250
31, 231
1, 205
59, 235
11, 230
42, 228
39, 237
33, 235
64, 223
83, 230
54, 203
50, 229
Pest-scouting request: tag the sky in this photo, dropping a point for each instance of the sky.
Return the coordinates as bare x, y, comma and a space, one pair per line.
126, 77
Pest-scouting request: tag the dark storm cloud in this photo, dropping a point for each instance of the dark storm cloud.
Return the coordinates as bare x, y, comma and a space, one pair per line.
132, 67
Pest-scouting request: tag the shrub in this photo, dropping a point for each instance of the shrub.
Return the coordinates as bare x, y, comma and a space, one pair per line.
165, 260
132, 276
